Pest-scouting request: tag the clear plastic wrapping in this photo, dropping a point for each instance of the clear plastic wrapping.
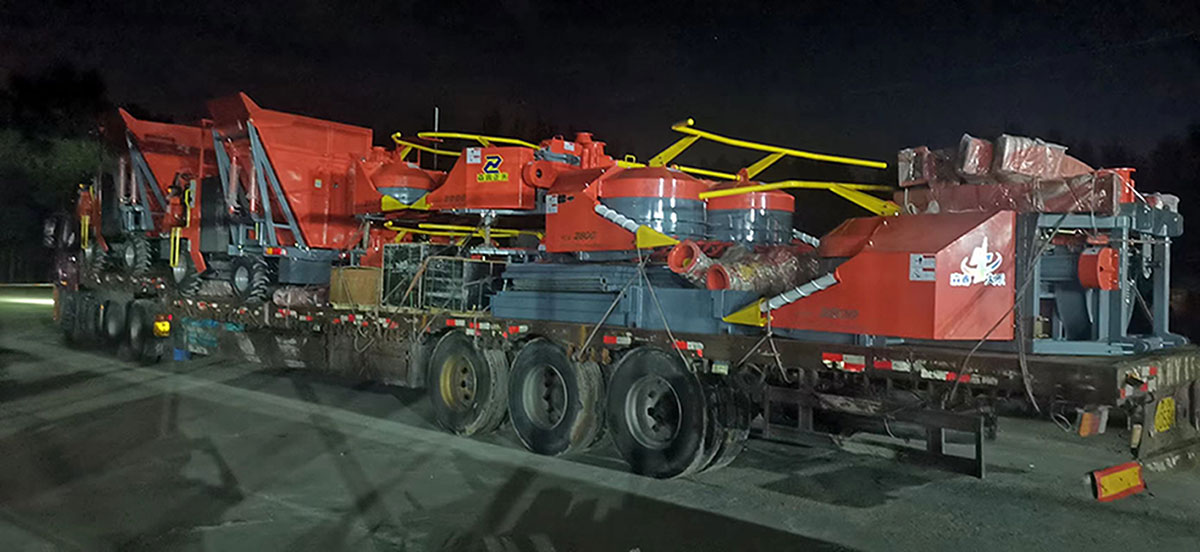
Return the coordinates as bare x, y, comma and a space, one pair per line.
974, 158
768, 271
920, 166
1089, 193
1021, 159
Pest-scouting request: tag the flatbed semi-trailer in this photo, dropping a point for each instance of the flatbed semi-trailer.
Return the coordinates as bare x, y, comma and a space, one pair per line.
553, 381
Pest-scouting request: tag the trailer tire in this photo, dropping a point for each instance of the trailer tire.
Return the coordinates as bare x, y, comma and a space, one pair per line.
554, 403
251, 279
68, 315
467, 386
114, 321
89, 322
730, 411
140, 338
657, 414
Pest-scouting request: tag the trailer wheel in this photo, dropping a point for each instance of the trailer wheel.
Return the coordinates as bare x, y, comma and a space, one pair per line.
251, 278
114, 321
467, 385
140, 340
554, 403
135, 255
89, 321
730, 411
68, 315
657, 414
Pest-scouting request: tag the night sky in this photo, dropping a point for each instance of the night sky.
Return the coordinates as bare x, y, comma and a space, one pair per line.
849, 78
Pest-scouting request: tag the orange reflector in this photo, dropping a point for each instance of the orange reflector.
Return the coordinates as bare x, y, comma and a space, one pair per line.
1118, 481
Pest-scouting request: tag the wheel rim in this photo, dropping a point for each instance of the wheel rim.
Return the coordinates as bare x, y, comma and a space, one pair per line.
457, 382
180, 272
130, 255
652, 410
544, 396
241, 279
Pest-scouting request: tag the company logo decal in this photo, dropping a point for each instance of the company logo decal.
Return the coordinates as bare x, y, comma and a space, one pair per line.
980, 267
491, 170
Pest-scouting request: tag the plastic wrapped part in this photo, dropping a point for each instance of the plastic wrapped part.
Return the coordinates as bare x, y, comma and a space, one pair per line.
974, 160
751, 218
1097, 192
301, 296
920, 165
1166, 202
673, 216
768, 270
910, 166
1020, 159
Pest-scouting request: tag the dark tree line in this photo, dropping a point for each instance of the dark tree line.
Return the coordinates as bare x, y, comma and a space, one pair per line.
49, 144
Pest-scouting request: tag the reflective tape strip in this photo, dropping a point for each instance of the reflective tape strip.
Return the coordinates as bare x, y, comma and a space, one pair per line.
618, 340
456, 322
518, 329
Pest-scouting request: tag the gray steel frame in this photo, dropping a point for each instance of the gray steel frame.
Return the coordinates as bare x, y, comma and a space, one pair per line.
139, 215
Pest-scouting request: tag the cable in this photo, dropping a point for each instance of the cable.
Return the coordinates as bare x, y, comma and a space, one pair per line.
965, 370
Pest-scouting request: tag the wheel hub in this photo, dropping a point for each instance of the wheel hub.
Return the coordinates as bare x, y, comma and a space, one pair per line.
457, 382
652, 410
241, 279
544, 395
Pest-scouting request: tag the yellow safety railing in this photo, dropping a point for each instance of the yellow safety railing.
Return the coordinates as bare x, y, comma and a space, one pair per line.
456, 231
486, 141
407, 147
853, 192
848, 190
774, 153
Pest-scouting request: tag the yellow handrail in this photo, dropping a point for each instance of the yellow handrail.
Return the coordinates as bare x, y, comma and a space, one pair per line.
495, 231
409, 146
793, 184
775, 153
850, 191
482, 139
691, 170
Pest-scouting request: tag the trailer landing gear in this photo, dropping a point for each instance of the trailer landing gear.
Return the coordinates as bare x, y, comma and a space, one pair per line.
555, 404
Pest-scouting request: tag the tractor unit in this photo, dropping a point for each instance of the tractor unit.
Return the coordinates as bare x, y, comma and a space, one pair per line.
677, 310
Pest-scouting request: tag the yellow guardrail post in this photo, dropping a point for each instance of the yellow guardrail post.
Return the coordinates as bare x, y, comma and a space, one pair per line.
176, 235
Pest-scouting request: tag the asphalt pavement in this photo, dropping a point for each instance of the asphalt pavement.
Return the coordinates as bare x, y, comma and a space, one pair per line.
97, 454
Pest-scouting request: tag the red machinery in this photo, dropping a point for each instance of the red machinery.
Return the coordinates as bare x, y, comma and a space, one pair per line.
156, 185
294, 172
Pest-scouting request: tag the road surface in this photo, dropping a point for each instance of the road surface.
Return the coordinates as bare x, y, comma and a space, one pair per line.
96, 453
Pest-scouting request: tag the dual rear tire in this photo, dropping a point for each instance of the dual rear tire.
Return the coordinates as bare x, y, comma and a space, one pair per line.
665, 420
